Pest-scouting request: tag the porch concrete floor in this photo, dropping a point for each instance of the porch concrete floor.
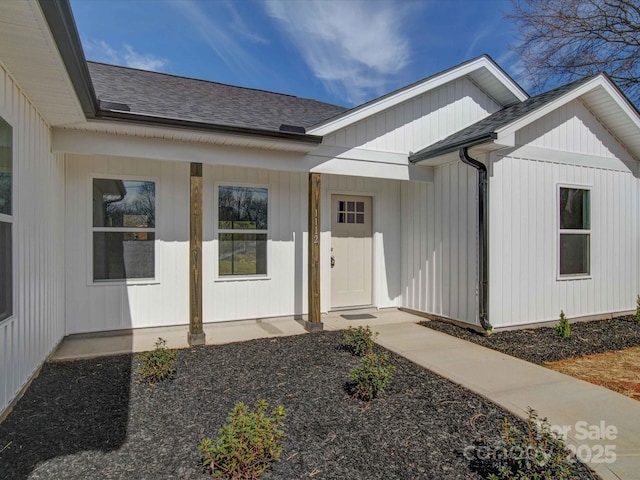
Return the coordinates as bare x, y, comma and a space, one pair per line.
143, 339
507, 381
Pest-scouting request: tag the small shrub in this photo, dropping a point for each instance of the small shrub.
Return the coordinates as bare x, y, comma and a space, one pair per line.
563, 329
371, 377
157, 365
638, 309
248, 443
537, 453
359, 341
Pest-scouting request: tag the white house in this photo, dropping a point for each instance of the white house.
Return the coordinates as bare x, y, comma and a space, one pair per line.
133, 199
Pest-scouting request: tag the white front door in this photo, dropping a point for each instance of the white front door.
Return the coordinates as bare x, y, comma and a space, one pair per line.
351, 251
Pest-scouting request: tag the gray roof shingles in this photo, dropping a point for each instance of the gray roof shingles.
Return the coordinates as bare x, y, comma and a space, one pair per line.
170, 96
494, 122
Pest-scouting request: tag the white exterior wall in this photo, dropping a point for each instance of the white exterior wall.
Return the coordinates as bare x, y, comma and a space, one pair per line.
523, 219
419, 122
283, 291
439, 243
27, 338
115, 305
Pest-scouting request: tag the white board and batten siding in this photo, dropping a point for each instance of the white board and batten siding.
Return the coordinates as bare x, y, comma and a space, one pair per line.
283, 290
92, 307
37, 324
104, 306
419, 122
524, 214
439, 244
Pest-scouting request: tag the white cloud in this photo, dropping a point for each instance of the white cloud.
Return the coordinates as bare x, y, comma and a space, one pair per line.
143, 61
354, 47
513, 65
224, 44
101, 51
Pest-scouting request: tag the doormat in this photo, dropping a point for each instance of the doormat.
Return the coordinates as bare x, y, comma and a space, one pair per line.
358, 316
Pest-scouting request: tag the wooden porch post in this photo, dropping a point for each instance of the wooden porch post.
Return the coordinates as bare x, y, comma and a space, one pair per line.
196, 333
314, 323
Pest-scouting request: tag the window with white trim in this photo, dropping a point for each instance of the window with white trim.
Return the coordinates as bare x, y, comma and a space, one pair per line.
123, 229
6, 220
575, 231
242, 230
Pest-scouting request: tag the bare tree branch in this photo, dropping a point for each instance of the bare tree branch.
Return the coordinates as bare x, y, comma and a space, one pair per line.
562, 40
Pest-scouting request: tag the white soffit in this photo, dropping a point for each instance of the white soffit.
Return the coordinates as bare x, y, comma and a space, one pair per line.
605, 101
122, 130
29, 53
482, 71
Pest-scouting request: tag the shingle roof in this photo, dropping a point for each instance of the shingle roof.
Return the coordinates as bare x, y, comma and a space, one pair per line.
487, 126
189, 99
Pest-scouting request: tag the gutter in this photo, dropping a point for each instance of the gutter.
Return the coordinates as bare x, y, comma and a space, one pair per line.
452, 147
150, 120
61, 23
483, 237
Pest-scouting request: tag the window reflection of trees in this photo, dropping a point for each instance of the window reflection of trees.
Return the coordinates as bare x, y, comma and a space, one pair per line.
242, 208
133, 207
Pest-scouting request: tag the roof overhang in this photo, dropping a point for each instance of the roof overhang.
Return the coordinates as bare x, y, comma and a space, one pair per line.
64, 34
603, 98
100, 137
482, 70
29, 51
600, 95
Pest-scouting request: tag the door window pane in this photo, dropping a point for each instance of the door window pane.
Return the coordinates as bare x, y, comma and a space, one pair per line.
121, 255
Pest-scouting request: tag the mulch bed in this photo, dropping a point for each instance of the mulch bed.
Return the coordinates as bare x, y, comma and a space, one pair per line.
92, 419
540, 345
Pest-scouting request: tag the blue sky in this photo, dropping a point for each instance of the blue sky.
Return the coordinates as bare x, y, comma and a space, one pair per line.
339, 51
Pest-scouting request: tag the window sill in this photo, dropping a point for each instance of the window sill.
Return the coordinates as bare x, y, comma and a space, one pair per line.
127, 283
241, 278
564, 278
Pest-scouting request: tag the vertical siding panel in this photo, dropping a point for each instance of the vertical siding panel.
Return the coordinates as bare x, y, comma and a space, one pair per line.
34, 330
431, 251
404, 229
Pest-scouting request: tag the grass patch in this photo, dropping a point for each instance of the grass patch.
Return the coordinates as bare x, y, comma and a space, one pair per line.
618, 371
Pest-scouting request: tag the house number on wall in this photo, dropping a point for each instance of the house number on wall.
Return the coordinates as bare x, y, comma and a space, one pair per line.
316, 238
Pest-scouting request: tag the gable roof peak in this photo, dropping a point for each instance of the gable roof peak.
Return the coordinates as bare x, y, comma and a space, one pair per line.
482, 70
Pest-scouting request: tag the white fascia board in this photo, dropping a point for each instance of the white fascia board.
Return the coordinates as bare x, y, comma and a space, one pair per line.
409, 93
506, 133
359, 168
359, 162
76, 113
361, 154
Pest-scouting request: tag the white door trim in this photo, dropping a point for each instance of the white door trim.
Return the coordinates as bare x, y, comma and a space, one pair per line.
328, 214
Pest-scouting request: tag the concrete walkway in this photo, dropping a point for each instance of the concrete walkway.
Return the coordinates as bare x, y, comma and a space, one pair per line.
507, 381
516, 385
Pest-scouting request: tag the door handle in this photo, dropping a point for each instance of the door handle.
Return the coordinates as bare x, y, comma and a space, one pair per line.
333, 261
